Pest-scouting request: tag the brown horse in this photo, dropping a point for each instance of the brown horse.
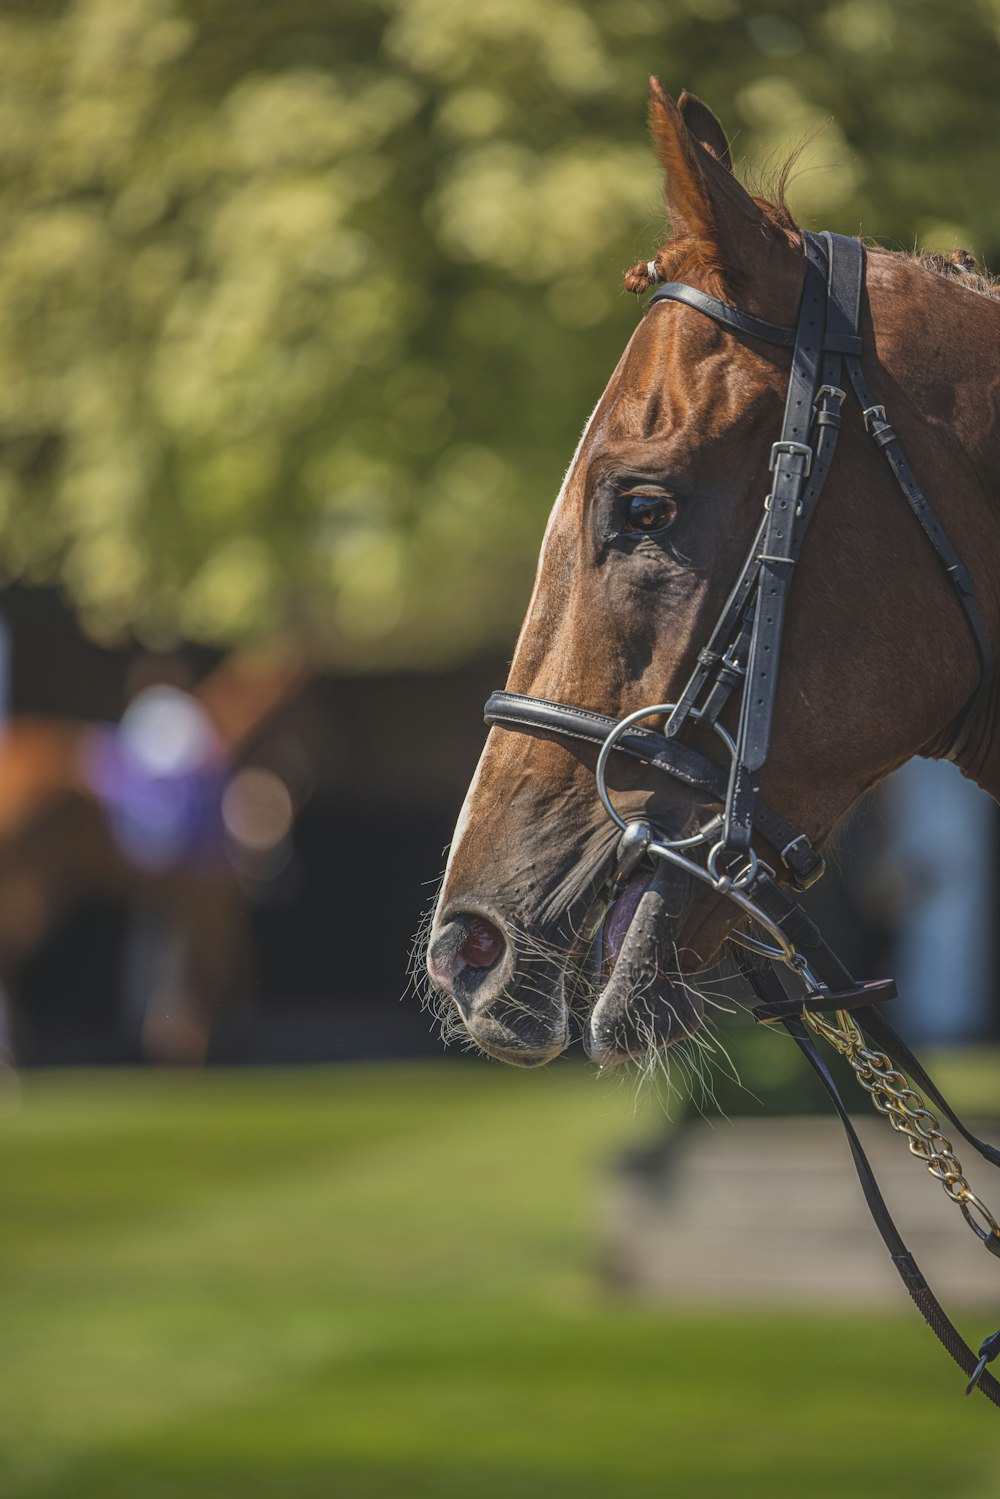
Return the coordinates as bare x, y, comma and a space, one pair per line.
58, 849
655, 516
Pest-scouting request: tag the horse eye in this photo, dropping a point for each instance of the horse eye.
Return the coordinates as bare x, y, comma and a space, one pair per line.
648, 512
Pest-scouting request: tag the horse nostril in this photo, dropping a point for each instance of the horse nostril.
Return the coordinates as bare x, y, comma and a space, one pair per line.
468, 945
482, 943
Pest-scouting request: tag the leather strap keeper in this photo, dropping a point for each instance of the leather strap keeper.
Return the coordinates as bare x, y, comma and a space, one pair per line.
774, 1011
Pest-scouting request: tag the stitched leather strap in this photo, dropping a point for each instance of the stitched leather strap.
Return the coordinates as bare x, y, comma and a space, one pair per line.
884, 437
792, 458
512, 710
841, 324
711, 658
723, 312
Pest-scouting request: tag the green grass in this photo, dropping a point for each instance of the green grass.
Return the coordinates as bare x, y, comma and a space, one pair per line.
381, 1281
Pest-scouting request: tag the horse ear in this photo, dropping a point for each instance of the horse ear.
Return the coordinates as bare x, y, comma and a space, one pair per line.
704, 200
688, 199
705, 127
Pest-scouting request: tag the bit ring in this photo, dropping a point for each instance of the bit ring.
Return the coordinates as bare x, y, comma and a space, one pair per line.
600, 772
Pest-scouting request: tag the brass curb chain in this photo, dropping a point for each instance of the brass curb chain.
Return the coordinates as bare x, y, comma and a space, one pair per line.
907, 1112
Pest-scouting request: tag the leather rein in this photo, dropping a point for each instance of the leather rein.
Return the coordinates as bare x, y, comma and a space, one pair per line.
742, 655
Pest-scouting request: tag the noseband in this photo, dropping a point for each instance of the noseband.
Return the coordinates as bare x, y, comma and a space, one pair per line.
743, 655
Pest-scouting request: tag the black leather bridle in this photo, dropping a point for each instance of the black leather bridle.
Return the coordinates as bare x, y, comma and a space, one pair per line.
743, 654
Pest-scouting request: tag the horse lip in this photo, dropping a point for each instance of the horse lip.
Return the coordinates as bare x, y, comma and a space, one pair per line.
601, 1054
640, 1006
620, 914
504, 1045
524, 1059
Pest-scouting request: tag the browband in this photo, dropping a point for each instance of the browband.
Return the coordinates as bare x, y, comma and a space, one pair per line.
745, 322
724, 312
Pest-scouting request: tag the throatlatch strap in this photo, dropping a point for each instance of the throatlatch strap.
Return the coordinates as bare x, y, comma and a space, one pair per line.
884, 437
846, 285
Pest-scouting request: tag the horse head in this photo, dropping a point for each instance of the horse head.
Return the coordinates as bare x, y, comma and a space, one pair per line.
661, 502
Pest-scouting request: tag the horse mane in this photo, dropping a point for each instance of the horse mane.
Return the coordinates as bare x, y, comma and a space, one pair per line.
959, 266
685, 257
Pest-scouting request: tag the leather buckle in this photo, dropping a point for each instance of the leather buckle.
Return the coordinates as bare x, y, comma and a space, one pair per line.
794, 450
804, 863
828, 405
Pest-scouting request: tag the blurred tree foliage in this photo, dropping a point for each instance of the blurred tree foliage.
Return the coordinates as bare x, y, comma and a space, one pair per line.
302, 305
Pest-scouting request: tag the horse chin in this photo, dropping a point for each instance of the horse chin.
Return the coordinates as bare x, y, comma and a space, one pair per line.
643, 1005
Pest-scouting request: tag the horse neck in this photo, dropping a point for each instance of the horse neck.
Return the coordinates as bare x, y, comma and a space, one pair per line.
981, 760
943, 394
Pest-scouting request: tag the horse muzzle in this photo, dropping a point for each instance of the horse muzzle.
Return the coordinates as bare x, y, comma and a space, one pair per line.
515, 993
509, 993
